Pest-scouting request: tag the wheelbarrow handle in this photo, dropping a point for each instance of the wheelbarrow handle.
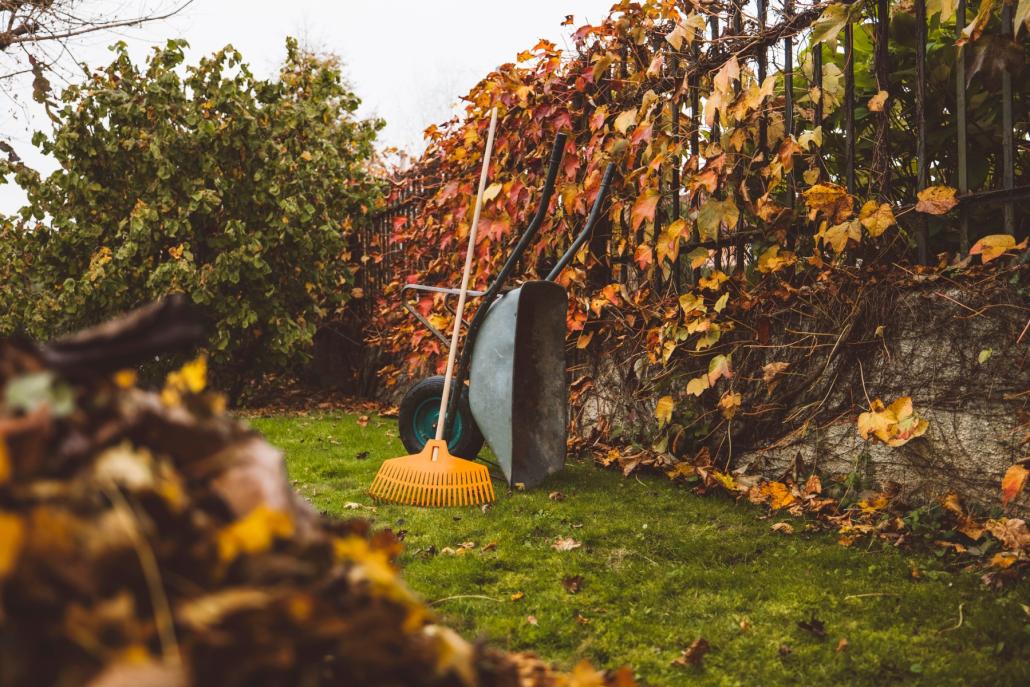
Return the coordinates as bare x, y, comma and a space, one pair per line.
495, 288
595, 212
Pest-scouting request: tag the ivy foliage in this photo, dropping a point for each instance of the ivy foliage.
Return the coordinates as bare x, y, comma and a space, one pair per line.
241, 192
731, 204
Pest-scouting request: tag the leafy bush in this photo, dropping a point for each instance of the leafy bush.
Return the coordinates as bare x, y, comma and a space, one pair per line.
240, 192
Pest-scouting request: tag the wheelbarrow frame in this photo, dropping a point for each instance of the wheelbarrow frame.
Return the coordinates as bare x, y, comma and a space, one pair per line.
493, 296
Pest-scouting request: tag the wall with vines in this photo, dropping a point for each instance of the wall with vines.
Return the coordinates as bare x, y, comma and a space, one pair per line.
775, 161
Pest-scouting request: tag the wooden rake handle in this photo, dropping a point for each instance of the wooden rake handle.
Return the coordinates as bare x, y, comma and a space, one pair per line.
463, 291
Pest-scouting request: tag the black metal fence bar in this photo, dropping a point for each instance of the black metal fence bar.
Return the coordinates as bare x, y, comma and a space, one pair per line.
1008, 178
849, 107
960, 123
922, 231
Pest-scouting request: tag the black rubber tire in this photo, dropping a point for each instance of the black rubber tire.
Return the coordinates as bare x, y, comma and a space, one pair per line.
471, 439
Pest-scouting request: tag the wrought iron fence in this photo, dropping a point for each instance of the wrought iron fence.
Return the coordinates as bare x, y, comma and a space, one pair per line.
891, 153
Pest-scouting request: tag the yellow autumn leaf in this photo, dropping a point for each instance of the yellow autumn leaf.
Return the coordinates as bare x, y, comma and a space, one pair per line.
876, 218
873, 504
713, 281
691, 303
698, 257
697, 385
254, 533
936, 200
994, 246
729, 404
877, 421
829, 200
491, 192
721, 303
778, 494
663, 410
625, 120
772, 260
839, 235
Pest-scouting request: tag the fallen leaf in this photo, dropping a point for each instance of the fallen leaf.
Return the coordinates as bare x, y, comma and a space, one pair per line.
556, 496
842, 645
783, 528
694, 654
572, 583
565, 544
362, 420
815, 626
517, 596
785, 650
531, 619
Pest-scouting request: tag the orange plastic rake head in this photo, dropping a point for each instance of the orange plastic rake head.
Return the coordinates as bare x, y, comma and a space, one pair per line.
433, 477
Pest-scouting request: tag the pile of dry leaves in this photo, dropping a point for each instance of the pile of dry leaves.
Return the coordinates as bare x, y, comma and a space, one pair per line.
149, 540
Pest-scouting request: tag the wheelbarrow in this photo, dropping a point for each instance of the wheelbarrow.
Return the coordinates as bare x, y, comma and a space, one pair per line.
514, 360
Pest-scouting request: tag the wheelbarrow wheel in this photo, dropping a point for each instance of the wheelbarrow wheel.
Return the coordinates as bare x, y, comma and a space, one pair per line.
418, 415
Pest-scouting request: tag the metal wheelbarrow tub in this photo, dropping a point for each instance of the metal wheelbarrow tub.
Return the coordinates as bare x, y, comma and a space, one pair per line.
517, 385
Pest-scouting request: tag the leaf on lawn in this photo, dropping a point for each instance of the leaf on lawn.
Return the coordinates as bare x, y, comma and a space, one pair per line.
531, 619
565, 544
572, 583
694, 654
815, 626
517, 596
783, 528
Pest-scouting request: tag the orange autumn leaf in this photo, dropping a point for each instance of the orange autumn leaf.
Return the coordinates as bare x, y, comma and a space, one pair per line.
936, 200
644, 208
994, 246
1012, 483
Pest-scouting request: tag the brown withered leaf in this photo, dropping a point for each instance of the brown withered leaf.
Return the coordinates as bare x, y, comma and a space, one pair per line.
814, 626
572, 583
694, 654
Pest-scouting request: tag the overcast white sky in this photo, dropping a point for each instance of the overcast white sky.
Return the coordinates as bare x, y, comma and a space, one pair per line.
408, 60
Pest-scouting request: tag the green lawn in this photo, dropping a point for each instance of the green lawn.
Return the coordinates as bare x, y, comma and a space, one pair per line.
661, 567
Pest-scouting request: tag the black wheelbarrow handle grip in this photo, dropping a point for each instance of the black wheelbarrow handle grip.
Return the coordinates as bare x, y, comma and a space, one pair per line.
527, 237
595, 212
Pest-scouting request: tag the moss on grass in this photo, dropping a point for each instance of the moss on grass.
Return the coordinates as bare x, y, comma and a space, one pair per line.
661, 567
